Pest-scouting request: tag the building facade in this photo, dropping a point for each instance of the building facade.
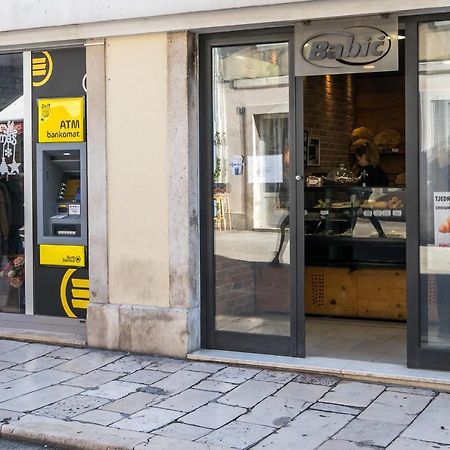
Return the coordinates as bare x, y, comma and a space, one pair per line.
184, 214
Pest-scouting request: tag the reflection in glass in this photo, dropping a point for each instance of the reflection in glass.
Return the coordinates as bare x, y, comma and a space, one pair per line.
251, 197
12, 257
434, 87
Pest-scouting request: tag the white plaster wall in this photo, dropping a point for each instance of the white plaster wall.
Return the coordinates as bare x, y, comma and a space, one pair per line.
29, 22
136, 112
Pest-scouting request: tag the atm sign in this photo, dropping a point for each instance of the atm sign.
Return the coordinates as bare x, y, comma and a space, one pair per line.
61, 119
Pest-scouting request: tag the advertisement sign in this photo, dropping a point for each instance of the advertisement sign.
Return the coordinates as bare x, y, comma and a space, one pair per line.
442, 219
61, 119
62, 255
346, 46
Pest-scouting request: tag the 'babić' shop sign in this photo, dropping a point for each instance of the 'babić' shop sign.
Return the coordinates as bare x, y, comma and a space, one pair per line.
346, 46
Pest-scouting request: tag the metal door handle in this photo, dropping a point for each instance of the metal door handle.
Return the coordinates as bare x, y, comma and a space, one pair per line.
299, 177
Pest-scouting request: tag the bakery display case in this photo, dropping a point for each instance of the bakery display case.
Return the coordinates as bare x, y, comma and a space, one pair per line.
355, 226
355, 246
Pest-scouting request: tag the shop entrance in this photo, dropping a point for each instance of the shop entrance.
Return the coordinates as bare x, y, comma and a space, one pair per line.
355, 215
324, 227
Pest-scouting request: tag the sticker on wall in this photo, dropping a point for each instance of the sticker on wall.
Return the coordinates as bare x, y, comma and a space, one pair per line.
74, 293
41, 68
8, 139
61, 119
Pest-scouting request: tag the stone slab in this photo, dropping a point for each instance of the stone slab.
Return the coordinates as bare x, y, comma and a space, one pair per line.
433, 425
370, 432
145, 376
308, 431
7, 346
33, 382
113, 390
72, 434
38, 364
188, 400
353, 393
26, 353
274, 411
339, 444
205, 367
237, 435
249, 393
128, 364
179, 381
301, 391
215, 386
40, 398
275, 376
99, 417
148, 419
396, 407
182, 431
134, 402
8, 375
69, 352
213, 415
90, 361
413, 444
236, 375
94, 379
72, 406
167, 443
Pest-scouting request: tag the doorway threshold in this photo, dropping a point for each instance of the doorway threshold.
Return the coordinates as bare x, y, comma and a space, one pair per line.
343, 368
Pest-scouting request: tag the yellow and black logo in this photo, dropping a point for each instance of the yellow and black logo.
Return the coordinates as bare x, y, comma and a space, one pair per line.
42, 68
74, 293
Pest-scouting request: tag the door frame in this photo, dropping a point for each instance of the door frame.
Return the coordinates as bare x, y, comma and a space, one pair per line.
417, 355
293, 345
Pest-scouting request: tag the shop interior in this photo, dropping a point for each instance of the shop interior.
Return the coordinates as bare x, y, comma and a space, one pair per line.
355, 229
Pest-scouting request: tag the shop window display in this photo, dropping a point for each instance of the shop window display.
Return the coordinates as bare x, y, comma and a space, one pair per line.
12, 254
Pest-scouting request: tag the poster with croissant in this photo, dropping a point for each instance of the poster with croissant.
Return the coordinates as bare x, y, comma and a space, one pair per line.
442, 219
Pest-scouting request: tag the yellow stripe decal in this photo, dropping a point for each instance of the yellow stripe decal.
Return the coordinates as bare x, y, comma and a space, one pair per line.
80, 283
80, 293
39, 60
39, 72
64, 282
82, 304
39, 66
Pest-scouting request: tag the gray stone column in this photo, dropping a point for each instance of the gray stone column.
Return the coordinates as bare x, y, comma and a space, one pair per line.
183, 156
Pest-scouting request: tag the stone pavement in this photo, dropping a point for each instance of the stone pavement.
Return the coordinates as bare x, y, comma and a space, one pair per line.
92, 399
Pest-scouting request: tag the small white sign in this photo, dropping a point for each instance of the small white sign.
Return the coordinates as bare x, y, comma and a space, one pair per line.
386, 213
265, 169
442, 219
397, 213
74, 210
367, 213
378, 213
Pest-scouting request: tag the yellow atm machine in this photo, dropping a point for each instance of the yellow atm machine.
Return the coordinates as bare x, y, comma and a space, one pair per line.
61, 273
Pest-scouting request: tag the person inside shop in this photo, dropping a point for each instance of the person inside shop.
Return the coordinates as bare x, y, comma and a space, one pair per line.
366, 167
370, 173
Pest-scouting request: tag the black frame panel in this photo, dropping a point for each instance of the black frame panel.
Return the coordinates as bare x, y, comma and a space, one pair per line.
210, 338
417, 356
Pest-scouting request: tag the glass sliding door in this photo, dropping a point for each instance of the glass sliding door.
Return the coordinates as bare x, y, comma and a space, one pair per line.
250, 156
429, 343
